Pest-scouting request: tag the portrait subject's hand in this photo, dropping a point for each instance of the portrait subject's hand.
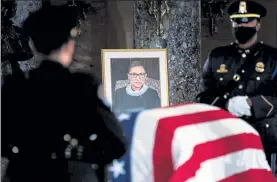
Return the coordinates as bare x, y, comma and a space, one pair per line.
239, 106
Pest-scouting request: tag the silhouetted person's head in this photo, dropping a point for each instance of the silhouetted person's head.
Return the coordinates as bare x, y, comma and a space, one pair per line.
52, 32
137, 75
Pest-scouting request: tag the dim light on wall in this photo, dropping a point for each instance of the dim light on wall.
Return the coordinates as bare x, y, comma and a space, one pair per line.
213, 9
159, 9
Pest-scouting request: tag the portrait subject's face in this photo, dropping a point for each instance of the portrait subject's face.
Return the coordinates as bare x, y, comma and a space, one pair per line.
137, 77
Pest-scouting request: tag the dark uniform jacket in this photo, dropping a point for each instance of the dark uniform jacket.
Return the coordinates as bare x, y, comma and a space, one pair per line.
54, 117
230, 71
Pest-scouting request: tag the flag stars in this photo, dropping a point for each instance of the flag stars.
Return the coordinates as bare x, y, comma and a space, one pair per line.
92, 137
123, 117
15, 150
117, 168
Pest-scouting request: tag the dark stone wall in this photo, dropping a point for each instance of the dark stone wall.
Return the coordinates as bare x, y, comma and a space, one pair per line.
88, 47
182, 40
12, 44
93, 38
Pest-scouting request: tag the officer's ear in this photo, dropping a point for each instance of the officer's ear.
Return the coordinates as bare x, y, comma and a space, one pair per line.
70, 45
258, 26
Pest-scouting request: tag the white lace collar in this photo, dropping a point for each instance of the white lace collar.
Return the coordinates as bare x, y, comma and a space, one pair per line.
132, 92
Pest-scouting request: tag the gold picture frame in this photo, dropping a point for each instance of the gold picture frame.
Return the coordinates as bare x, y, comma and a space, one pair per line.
115, 67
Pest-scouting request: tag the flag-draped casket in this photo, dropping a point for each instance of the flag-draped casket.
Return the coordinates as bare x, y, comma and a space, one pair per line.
190, 143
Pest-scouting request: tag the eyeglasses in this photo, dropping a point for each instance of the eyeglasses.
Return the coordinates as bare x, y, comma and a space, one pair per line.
135, 75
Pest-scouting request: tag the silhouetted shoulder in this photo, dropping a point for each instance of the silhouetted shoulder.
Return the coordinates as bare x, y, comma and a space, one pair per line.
86, 78
222, 51
270, 50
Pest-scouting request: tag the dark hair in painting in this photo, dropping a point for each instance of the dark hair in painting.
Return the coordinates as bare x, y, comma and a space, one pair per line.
136, 64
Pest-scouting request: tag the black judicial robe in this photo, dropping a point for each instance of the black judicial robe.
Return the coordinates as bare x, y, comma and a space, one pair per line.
124, 102
39, 111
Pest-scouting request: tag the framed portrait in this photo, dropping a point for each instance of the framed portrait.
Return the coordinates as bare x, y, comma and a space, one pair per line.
135, 79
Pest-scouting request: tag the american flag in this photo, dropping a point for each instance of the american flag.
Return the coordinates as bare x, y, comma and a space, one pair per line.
190, 143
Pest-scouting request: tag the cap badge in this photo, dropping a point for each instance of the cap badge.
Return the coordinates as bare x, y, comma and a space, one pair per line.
244, 20
260, 67
222, 69
242, 7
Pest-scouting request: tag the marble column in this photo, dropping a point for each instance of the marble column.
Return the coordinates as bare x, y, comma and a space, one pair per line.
22, 12
181, 39
88, 47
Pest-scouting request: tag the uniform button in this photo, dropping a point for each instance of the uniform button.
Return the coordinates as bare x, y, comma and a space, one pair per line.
15, 149
242, 71
267, 125
74, 142
94, 166
53, 156
243, 55
226, 96
240, 86
92, 137
67, 153
258, 78
69, 147
80, 148
80, 152
67, 137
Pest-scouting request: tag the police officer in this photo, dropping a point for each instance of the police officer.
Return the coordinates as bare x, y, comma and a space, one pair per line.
52, 116
242, 77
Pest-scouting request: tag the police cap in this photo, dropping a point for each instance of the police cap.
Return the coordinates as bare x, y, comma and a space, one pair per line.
50, 27
246, 11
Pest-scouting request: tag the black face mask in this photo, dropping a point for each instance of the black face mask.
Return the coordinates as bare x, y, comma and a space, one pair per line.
244, 34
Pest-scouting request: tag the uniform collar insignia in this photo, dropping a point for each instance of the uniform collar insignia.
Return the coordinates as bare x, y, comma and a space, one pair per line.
222, 69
